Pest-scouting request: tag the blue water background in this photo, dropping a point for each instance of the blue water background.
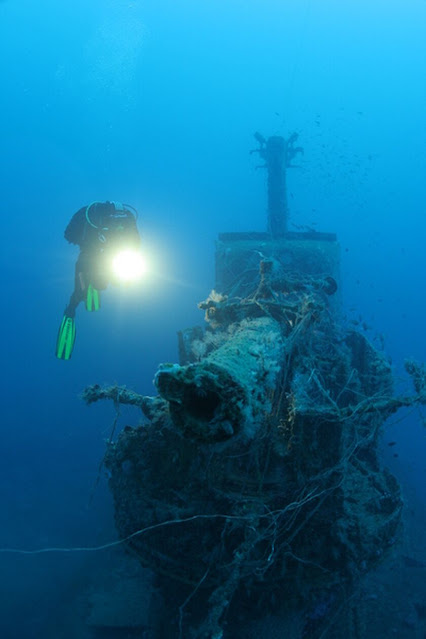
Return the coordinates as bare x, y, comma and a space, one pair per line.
155, 103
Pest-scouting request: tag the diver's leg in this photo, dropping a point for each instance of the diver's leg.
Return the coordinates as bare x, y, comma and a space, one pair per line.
79, 291
66, 334
92, 289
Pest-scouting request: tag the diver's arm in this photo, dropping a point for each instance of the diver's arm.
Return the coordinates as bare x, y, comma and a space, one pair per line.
74, 232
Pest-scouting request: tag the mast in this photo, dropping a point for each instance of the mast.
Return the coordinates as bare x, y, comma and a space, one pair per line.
277, 153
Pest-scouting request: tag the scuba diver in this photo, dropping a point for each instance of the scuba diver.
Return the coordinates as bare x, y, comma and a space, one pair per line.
109, 242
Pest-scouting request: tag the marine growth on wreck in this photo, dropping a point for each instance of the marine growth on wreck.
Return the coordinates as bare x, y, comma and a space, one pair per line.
253, 484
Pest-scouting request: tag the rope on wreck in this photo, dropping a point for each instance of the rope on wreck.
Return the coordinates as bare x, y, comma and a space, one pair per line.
118, 542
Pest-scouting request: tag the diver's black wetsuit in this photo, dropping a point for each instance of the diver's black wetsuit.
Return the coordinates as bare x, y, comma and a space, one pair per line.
98, 229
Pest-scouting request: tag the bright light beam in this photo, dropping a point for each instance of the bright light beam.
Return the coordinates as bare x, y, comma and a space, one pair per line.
129, 266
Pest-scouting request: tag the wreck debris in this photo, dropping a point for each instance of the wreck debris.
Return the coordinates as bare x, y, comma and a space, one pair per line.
255, 479
264, 453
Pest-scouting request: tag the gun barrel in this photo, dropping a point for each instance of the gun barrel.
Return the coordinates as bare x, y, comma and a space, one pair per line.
227, 393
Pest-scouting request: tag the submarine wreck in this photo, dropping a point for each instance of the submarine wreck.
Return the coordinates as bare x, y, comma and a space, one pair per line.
253, 488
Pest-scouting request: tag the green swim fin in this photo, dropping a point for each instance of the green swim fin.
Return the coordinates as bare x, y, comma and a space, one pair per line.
66, 338
93, 299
